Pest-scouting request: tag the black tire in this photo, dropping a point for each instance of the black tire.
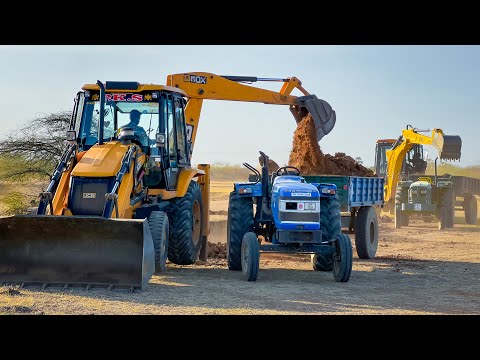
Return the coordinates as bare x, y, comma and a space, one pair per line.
405, 219
331, 226
250, 256
470, 208
442, 218
366, 233
158, 223
330, 218
320, 262
398, 217
447, 201
185, 239
342, 259
239, 222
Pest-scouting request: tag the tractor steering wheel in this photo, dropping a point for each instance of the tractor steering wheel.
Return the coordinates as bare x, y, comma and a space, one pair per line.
284, 170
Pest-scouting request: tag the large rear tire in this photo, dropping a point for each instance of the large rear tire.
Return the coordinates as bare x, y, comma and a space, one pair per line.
186, 226
158, 223
442, 218
366, 233
239, 222
470, 208
447, 201
331, 226
342, 258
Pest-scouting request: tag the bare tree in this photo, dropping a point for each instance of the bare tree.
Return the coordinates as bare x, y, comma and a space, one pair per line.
36, 148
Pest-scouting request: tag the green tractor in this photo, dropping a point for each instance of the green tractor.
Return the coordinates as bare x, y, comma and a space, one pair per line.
430, 198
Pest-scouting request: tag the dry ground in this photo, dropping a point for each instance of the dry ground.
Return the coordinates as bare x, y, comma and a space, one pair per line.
418, 270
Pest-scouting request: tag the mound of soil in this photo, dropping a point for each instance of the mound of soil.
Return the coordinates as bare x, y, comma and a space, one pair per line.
307, 156
217, 251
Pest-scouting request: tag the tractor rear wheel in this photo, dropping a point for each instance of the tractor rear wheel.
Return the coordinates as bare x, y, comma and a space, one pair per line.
331, 226
448, 202
158, 223
186, 219
470, 208
239, 222
442, 218
366, 233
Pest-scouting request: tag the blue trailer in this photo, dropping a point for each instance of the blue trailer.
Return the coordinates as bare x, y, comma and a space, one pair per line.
360, 199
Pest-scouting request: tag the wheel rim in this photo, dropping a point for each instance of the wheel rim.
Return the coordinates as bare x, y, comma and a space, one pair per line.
372, 232
196, 222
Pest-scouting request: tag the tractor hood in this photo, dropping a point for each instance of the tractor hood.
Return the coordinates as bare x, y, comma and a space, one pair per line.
421, 184
101, 160
292, 186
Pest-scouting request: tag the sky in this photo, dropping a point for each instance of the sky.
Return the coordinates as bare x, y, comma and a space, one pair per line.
375, 90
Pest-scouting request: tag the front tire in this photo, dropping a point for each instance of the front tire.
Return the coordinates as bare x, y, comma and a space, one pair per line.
342, 259
448, 202
239, 222
250, 256
366, 233
186, 220
158, 223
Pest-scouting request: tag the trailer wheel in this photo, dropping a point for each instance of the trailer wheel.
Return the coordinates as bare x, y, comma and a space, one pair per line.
239, 222
442, 218
158, 223
186, 226
470, 208
366, 232
320, 262
342, 258
398, 217
250, 256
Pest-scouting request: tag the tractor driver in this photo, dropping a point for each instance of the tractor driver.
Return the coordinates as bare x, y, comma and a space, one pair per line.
139, 131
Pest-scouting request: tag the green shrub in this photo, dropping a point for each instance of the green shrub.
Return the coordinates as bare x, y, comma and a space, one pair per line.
14, 203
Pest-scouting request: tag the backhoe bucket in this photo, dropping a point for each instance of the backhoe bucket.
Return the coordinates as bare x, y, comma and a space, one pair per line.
323, 115
448, 146
76, 251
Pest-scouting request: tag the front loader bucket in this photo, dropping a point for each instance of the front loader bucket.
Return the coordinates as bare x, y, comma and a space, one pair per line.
75, 251
323, 115
448, 146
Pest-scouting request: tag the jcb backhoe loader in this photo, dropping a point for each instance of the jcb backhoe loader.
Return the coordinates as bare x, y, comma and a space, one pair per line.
124, 195
396, 160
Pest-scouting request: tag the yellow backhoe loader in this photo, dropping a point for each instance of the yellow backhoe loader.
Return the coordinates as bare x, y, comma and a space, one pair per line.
407, 189
124, 196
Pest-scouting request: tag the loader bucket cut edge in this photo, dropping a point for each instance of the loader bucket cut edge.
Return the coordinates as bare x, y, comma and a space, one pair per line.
449, 147
76, 251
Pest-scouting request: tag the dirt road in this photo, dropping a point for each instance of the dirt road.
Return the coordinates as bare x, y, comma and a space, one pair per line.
418, 271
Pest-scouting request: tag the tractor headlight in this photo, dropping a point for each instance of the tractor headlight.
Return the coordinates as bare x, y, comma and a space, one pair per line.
328, 191
414, 192
310, 206
423, 192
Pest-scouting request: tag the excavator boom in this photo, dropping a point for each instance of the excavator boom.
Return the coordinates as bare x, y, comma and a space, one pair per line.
201, 85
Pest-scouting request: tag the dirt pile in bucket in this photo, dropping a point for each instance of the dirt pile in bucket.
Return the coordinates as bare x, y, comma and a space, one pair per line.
307, 156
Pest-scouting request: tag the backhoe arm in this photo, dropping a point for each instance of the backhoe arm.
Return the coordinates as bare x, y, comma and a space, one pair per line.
449, 148
201, 85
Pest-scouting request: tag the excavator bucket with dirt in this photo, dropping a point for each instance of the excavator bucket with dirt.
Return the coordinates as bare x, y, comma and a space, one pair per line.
449, 146
76, 251
323, 115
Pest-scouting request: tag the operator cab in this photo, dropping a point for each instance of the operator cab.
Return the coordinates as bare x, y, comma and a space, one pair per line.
151, 116
414, 162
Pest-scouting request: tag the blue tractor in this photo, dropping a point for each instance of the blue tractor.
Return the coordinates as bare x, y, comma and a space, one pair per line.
282, 213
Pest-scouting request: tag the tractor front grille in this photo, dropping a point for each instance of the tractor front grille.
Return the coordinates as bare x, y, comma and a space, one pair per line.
299, 216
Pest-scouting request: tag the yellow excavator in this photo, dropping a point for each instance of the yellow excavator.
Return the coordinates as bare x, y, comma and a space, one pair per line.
400, 160
124, 195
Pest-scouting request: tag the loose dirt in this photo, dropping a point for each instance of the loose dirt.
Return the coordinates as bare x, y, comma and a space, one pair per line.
307, 156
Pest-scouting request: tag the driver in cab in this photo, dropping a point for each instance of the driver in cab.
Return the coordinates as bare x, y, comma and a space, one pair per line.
138, 130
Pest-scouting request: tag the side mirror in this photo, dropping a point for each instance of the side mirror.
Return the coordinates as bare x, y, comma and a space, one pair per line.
160, 140
71, 136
